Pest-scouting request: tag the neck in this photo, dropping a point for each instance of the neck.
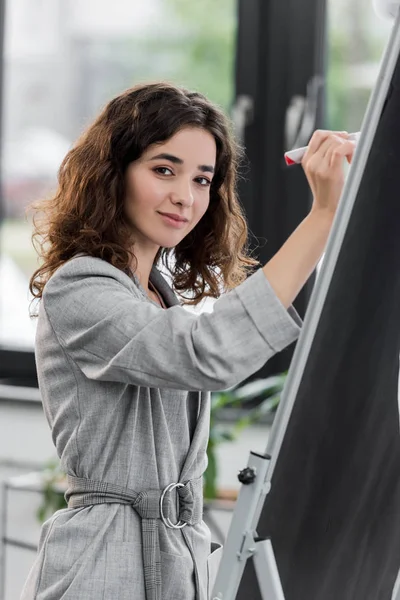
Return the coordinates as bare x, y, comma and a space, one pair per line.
144, 263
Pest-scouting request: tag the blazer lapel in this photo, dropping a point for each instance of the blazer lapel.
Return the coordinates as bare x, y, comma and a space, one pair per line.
162, 286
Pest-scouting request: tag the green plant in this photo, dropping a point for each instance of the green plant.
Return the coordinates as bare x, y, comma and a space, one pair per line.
53, 492
268, 390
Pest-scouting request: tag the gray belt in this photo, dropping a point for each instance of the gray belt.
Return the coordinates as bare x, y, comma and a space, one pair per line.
151, 505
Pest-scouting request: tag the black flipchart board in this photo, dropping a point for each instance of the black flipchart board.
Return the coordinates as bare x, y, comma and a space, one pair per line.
333, 513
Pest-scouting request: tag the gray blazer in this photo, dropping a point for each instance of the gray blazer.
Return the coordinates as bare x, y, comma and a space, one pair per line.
125, 387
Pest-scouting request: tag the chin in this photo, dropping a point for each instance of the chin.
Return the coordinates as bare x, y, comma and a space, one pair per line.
169, 241
164, 242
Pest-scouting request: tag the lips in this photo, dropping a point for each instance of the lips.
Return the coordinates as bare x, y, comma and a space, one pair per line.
176, 218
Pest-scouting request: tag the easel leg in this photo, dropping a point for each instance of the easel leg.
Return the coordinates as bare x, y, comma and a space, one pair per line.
3, 542
396, 589
267, 571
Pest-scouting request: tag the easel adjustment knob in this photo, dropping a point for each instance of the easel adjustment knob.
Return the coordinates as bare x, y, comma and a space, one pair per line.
247, 475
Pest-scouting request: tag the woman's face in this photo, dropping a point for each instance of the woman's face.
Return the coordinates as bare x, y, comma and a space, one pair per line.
168, 188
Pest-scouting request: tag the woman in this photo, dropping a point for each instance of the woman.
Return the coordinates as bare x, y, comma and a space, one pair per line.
124, 371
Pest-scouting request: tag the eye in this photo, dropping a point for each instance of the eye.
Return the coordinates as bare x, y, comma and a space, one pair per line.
161, 170
203, 181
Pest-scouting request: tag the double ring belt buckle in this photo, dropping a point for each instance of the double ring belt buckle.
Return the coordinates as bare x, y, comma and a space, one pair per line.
166, 520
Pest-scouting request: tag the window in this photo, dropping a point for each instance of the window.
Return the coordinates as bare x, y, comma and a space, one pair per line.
356, 41
63, 61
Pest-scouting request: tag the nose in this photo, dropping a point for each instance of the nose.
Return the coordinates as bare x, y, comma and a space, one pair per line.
182, 193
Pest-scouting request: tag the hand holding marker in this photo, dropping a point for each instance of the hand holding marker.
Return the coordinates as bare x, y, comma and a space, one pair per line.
294, 157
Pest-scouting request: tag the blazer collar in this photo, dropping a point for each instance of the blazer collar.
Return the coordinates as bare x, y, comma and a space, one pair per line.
163, 287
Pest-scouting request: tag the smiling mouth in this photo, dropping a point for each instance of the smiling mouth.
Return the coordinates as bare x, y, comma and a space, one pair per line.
176, 218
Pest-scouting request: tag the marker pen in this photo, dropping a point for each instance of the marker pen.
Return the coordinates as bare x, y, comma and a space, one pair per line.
294, 157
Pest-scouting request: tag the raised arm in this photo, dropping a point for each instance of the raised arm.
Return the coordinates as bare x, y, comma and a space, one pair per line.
113, 335
292, 265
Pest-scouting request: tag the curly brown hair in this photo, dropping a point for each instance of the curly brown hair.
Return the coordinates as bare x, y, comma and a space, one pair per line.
86, 214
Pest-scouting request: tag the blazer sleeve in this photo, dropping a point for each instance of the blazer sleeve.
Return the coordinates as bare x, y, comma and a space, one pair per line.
113, 335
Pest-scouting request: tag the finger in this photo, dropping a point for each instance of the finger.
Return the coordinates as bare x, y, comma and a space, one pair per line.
320, 160
344, 149
328, 146
320, 150
320, 136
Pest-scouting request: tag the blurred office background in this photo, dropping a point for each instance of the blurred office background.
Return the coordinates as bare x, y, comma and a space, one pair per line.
278, 69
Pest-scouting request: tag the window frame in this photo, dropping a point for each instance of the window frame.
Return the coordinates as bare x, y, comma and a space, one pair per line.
280, 48
275, 58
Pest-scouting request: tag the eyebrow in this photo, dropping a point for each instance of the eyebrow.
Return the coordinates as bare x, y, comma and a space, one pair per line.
179, 161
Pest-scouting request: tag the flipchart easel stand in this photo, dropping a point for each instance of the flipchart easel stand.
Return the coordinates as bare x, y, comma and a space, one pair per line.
242, 541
